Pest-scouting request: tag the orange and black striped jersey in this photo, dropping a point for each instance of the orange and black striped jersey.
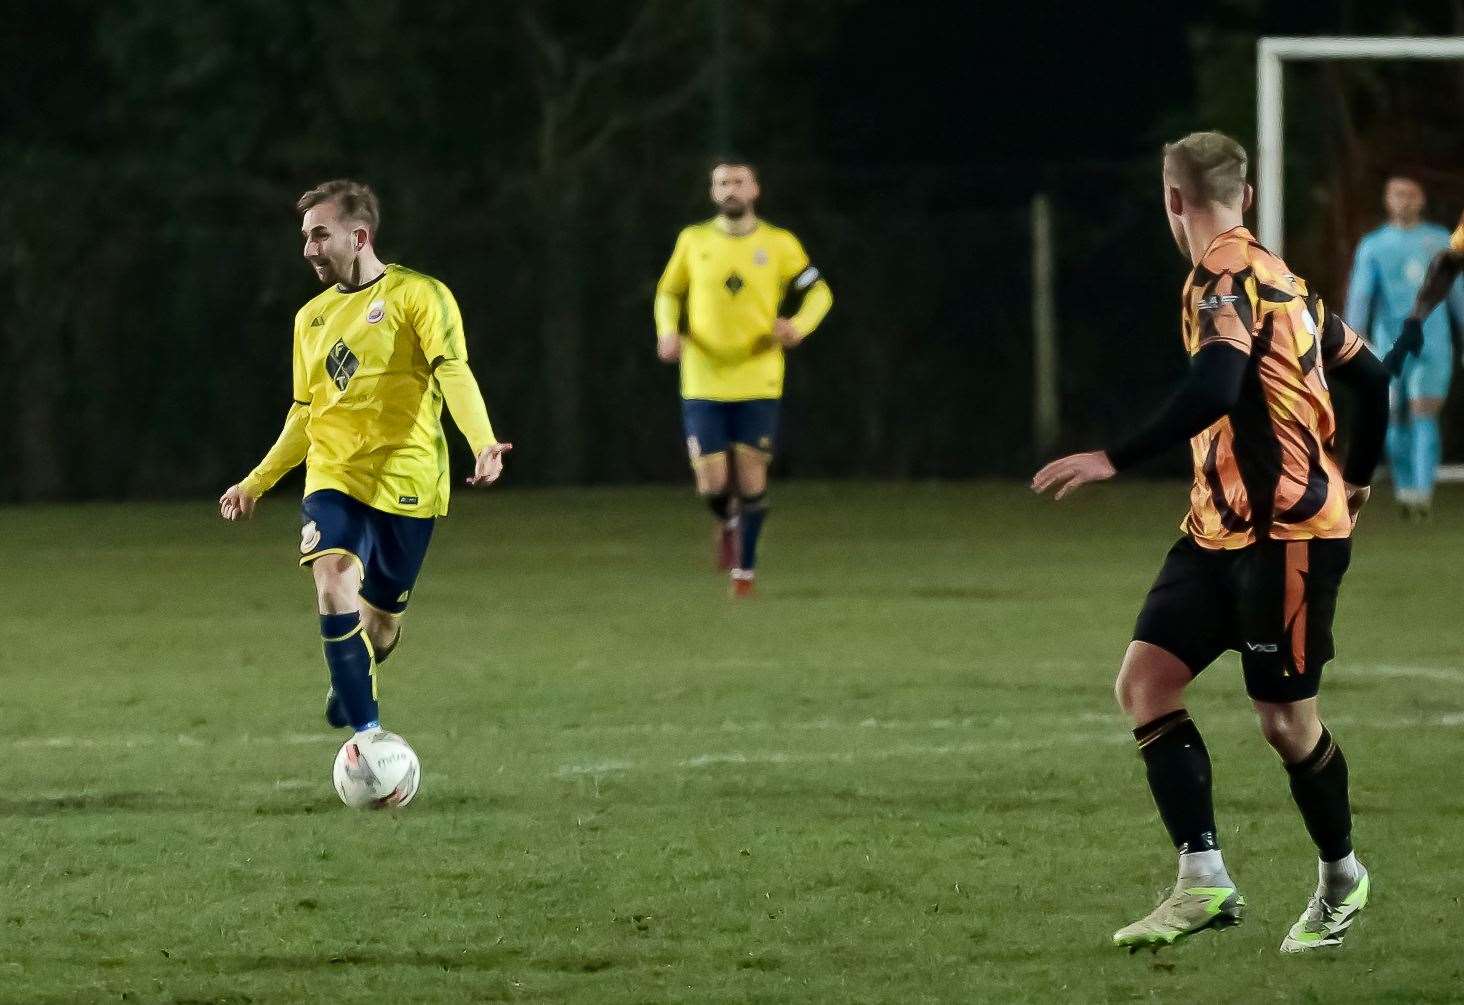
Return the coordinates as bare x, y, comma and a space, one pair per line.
1267, 470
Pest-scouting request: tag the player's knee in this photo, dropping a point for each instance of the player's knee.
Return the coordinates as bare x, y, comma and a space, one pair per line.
711, 479
1426, 408
337, 582
1150, 682
1291, 729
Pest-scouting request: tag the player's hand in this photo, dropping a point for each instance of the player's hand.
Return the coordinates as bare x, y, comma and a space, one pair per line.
1070, 472
1410, 343
668, 348
787, 333
1357, 497
490, 464
236, 504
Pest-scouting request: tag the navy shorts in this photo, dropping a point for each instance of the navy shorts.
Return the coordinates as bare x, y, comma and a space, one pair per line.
713, 427
1273, 602
389, 547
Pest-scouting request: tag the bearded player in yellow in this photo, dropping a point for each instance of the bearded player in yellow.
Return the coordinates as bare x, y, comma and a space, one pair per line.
737, 293
376, 355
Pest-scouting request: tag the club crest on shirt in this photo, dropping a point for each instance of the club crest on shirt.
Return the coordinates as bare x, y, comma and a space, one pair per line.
341, 364
309, 538
377, 312
759, 257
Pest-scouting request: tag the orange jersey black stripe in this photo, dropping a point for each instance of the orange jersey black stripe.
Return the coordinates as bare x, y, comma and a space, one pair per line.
1267, 470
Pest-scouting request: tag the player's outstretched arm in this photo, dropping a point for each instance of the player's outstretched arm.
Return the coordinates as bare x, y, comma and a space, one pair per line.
238, 501
1442, 272
1439, 280
1208, 392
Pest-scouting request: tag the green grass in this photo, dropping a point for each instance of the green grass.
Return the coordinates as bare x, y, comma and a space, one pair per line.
897, 777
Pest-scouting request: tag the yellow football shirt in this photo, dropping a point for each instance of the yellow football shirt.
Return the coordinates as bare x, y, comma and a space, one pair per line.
731, 288
372, 367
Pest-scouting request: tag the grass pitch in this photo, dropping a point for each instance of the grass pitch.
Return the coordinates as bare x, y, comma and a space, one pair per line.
897, 777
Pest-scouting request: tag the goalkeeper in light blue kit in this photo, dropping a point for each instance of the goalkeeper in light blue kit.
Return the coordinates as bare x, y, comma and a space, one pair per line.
1387, 272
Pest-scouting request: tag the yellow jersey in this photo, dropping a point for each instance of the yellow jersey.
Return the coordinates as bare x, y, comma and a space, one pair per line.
372, 367
731, 289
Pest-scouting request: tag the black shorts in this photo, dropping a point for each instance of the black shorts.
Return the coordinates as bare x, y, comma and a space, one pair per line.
389, 547
1273, 602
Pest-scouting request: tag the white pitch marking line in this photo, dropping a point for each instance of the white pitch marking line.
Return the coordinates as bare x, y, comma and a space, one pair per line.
1422, 673
837, 756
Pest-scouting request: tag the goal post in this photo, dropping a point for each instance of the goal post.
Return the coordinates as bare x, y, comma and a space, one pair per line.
1272, 54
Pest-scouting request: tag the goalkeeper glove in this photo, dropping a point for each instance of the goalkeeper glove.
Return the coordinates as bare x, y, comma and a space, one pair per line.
1410, 343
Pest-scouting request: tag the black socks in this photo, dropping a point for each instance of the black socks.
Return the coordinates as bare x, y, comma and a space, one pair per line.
1319, 786
1178, 766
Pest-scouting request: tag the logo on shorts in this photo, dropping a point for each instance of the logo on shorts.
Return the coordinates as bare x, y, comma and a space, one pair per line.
765, 443
309, 538
377, 312
403, 598
1262, 647
693, 447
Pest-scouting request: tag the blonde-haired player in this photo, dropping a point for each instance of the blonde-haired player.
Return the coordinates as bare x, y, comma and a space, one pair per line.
376, 354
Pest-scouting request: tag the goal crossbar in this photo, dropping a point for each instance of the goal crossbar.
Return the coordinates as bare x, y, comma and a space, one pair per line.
1271, 56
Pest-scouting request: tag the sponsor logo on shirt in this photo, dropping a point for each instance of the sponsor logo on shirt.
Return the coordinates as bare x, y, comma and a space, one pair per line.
407, 500
377, 312
759, 257
317, 322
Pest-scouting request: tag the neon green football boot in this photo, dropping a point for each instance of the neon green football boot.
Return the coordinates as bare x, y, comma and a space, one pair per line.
1324, 924
1189, 909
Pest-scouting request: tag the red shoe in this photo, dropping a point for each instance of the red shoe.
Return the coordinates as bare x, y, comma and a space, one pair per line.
726, 544
742, 584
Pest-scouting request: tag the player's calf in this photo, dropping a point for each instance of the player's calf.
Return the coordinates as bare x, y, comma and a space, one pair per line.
754, 510
348, 655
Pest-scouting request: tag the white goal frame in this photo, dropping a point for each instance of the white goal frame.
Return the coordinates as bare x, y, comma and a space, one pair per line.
1272, 54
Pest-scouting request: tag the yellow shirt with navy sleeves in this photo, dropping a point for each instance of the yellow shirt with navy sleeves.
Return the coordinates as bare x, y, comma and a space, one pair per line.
373, 366
730, 289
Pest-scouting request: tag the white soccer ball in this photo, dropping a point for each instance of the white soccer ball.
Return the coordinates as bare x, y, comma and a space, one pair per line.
377, 770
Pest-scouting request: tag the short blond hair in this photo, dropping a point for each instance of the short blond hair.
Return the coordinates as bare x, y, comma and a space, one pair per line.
1209, 167
356, 201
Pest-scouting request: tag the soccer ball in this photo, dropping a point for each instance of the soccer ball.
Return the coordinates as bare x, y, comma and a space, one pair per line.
376, 770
